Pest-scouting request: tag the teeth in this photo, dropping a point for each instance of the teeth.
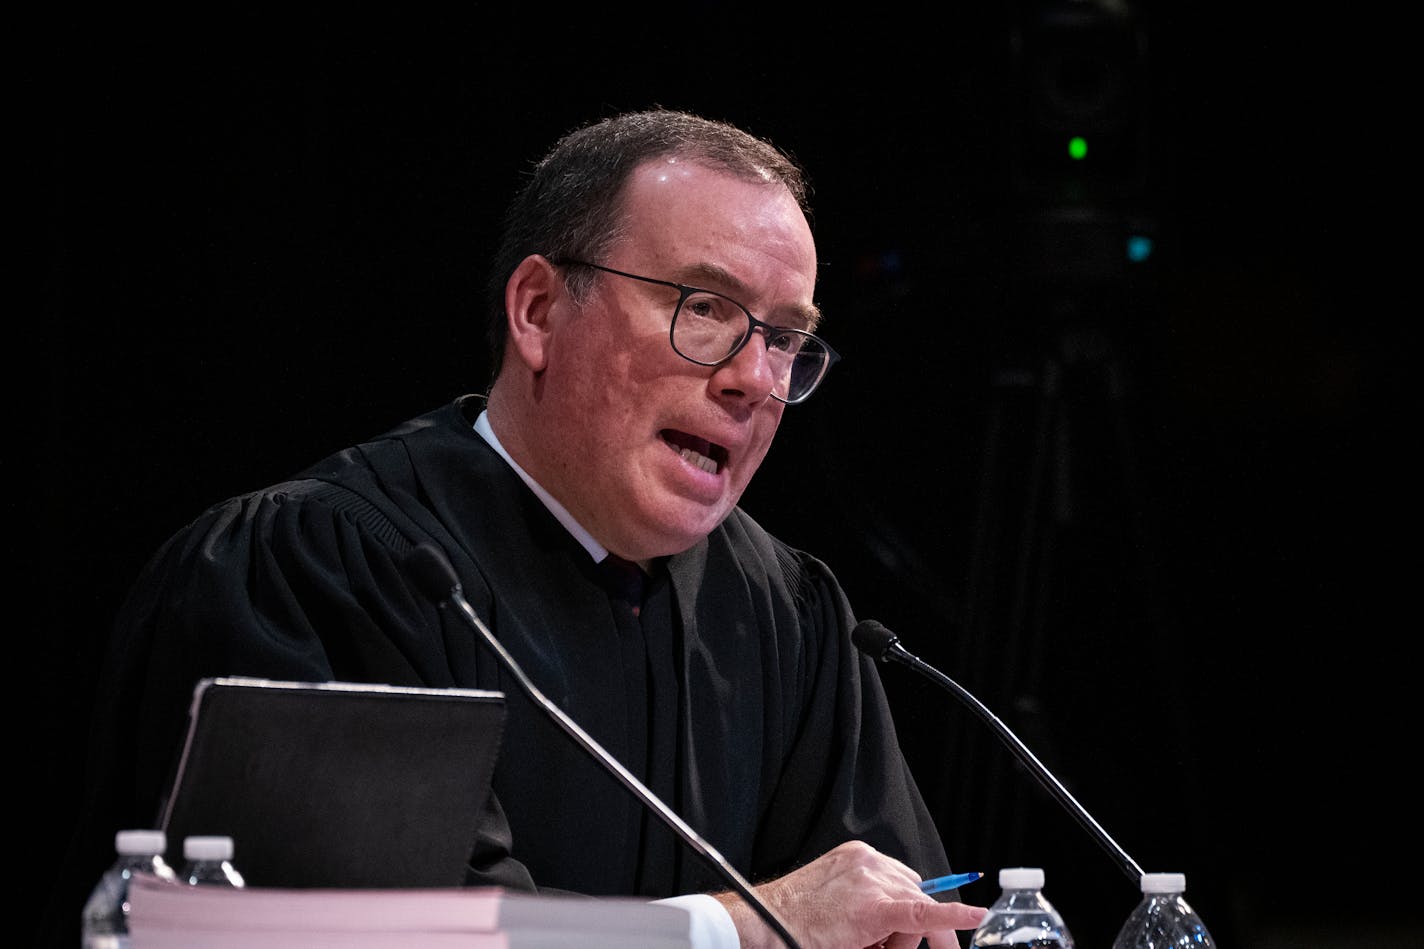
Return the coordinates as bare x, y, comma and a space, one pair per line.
700, 460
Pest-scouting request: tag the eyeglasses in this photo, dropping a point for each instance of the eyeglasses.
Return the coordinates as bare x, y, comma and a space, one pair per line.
708, 329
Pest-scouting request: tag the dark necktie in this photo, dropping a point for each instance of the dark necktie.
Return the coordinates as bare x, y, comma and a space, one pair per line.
651, 693
624, 580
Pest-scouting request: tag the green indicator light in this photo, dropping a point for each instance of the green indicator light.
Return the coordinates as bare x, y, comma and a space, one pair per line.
1077, 148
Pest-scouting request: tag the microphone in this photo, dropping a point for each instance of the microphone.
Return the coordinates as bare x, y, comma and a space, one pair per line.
435, 578
873, 639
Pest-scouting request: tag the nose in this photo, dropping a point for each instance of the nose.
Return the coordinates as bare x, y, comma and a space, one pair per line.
748, 375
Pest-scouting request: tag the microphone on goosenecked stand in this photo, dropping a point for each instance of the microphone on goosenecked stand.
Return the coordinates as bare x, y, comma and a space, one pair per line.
873, 639
434, 576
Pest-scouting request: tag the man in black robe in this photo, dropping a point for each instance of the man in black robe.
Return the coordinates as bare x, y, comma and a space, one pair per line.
634, 397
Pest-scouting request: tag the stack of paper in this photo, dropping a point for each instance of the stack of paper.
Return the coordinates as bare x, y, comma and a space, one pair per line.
166, 915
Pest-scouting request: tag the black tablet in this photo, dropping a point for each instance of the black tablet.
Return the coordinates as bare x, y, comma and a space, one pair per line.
336, 784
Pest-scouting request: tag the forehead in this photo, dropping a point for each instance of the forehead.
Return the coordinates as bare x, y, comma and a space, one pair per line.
682, 214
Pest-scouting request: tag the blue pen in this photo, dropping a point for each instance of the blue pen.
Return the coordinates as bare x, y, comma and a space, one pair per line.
940, 884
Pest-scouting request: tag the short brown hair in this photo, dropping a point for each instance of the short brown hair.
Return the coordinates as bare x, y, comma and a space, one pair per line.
570, 207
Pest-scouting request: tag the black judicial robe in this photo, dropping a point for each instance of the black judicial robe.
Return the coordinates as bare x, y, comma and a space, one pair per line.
737, 696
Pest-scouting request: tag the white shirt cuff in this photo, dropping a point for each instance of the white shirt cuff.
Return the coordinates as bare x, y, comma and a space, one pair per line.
711, 925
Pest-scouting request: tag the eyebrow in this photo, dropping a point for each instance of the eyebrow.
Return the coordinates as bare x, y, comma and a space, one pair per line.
698, 275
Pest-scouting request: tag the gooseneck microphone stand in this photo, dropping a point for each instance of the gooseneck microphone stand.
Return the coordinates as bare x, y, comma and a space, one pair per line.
437, 580
876, 641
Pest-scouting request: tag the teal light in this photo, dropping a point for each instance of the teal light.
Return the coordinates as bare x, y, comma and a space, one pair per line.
1139, 248
1077, 148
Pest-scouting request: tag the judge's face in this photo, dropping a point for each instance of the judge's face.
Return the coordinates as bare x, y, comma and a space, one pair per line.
647, 450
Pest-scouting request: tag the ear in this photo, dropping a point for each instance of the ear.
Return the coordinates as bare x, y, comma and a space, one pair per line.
529, 297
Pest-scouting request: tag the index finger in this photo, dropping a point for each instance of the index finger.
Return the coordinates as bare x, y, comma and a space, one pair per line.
927, 915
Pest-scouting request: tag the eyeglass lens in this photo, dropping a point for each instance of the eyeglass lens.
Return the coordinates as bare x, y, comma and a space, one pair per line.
708, 328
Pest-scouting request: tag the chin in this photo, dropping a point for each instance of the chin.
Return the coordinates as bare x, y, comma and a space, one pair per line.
674, 535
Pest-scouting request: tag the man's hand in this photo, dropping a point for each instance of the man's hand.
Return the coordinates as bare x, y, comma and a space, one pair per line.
850, 898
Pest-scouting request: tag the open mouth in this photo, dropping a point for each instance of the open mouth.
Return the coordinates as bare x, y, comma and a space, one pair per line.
696, 451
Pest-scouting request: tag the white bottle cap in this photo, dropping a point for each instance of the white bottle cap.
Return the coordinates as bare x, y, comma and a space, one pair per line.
1164, 882
207, 848
133, 842
1021, 878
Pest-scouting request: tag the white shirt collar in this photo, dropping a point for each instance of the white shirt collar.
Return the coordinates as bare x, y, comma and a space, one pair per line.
596, 550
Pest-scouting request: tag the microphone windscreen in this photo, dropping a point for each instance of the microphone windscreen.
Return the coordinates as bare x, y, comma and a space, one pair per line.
432, 573
872, 638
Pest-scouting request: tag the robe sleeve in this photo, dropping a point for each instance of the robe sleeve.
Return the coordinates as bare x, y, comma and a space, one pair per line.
843, 776
300, 582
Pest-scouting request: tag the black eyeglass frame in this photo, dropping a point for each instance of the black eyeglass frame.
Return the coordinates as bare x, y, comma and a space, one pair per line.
684, 291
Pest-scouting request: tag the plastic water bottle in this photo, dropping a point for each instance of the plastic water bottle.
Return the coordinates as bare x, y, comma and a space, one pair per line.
105, 920
208, 861
1163, 920
1021, 917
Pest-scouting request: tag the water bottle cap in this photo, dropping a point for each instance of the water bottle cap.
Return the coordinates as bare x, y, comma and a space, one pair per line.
207, 848
1164, 882
1021, 878
134, 842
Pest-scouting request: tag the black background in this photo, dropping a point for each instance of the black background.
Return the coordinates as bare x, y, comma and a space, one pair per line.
264, 239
